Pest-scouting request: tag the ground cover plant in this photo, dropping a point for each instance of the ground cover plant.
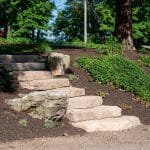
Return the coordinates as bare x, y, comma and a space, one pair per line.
120, 72
145, 60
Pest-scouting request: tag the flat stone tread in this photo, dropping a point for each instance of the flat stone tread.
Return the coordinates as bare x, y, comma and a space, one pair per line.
20, 58
45, 84
85, 102
71, 91
23, 66
31, 75
99, 112
109, 124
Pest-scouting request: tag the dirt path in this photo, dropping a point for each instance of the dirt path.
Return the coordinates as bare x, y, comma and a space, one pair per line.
135, 139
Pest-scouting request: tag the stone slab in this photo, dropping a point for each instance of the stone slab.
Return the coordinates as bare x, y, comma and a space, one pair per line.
31, 75
95, 113
84, 102
20, 58
45, 84
23, 66
109, 124
71, 91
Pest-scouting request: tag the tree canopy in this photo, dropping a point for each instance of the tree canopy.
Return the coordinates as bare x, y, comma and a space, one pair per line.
21, 18
101, 20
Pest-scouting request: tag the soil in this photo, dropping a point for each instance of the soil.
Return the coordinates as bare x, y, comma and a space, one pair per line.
11, 130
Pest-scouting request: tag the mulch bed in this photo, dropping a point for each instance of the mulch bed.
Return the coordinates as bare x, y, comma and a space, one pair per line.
11, 130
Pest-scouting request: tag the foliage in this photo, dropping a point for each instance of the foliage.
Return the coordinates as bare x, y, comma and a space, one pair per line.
145, 60
111, 47
23, 18
69, 22
44, 47
24, 45
48, 124
101, 18
16, 40
119, 71
141, 21
23, 122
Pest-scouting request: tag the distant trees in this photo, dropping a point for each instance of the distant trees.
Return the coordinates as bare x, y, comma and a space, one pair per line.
102, 15
23, 18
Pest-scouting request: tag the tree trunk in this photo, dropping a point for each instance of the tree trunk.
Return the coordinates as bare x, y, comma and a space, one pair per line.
38, 35
33, 34
123, 25
8, 30
5, 29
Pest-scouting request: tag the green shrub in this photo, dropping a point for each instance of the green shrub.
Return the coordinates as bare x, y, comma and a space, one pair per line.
111, 47
43, 47
48, 124
145, 60
119, 71
12, 41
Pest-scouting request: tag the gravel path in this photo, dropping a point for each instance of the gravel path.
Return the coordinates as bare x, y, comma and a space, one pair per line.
134, 139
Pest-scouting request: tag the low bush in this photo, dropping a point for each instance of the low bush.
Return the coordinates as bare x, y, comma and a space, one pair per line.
43, 47
145, 60
12, 41
111, 47
122, 73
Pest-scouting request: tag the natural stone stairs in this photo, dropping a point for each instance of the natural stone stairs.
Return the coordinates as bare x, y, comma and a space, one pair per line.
22, 62
53, 96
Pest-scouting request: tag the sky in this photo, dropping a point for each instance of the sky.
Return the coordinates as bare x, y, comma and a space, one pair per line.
60, 5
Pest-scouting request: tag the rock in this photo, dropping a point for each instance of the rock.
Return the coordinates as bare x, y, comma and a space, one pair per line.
31, 75
23, 66
45, 84
71, 91
99, 112
109, 124
20, 58
43, 104
84, 102
15, 103
58, 63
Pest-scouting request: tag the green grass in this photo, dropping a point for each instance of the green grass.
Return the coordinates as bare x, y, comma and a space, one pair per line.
120, 72
21, 45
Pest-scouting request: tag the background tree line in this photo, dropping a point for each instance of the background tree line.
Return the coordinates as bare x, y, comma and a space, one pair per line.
105, 19
27, 19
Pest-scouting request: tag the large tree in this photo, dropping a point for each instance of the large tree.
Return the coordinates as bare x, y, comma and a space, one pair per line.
123, 25
22, 18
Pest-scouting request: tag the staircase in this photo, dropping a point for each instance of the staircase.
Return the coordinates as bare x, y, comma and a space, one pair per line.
85, 112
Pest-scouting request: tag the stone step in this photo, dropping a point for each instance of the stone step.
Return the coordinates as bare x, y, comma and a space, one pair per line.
95, 113
45, 84
31, 75
21, 58
84, 102
109, 124
71, 91
23, 66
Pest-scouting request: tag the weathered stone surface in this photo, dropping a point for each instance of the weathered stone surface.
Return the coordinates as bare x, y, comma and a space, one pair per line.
71, 91
109, 124
95, 113
31, 75
23, 66
20, 58
43, 104
84, 102
45, 84
58, 63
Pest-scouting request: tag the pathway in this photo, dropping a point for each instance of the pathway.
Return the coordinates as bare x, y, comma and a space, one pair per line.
135, 139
